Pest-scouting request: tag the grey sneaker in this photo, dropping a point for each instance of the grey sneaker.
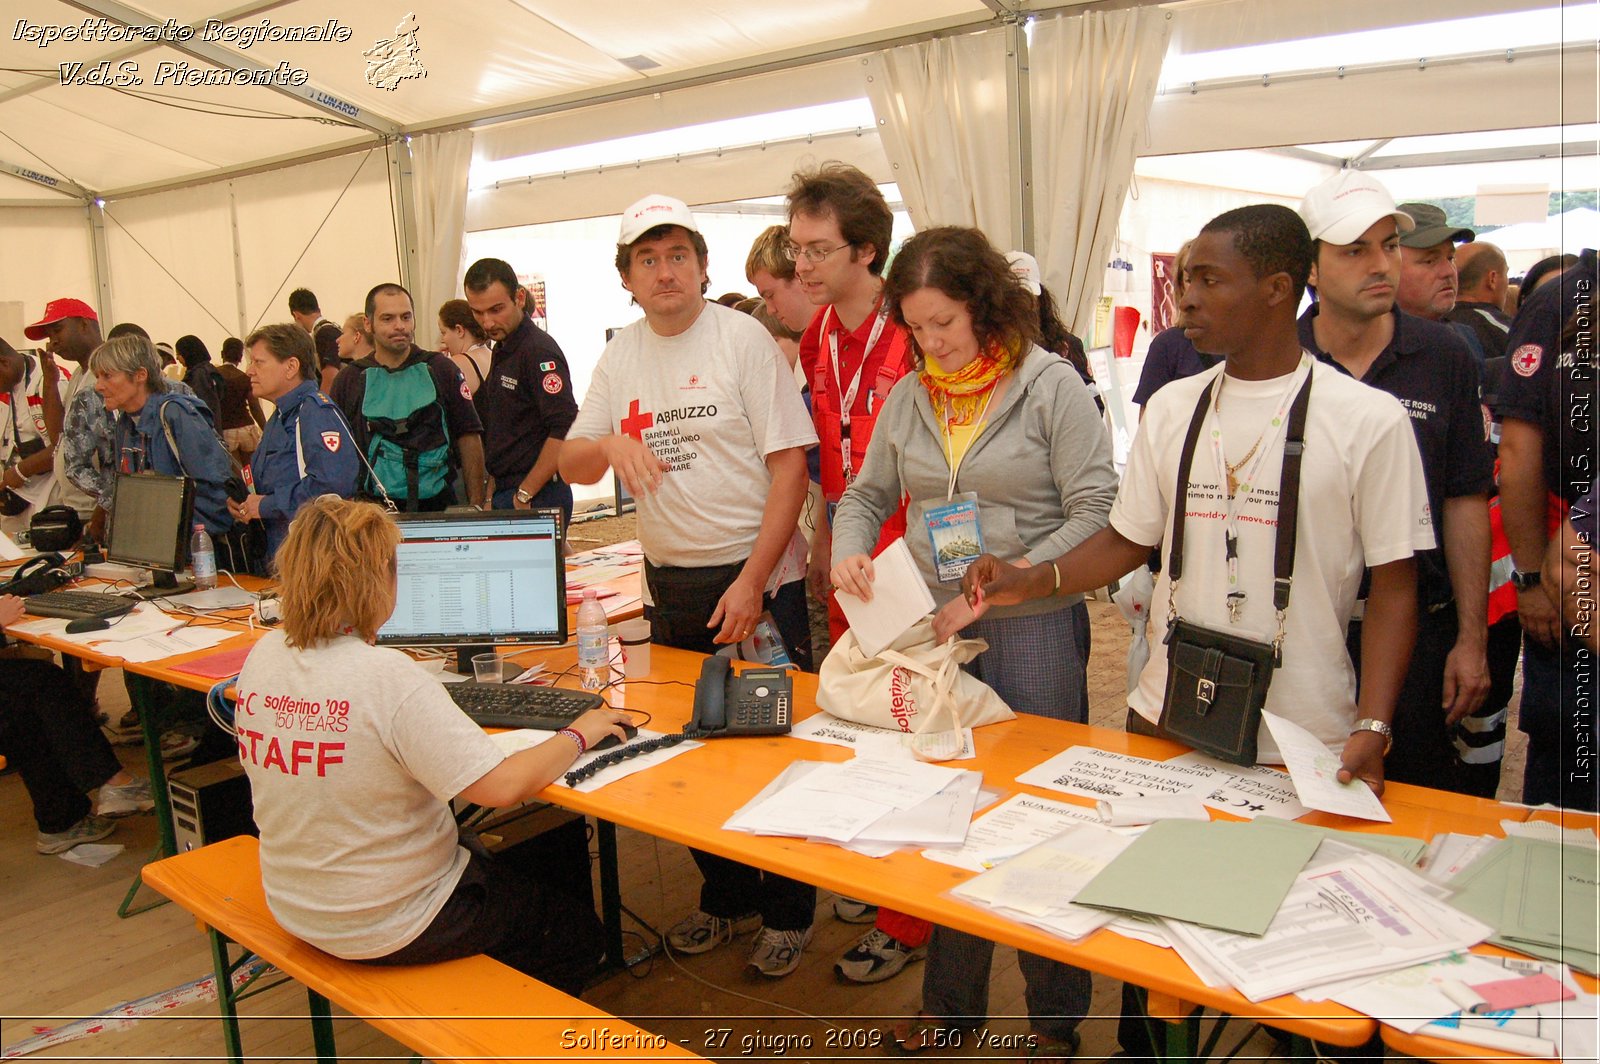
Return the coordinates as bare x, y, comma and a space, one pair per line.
850, 911
777, 953
700, 932
176, 744
89, 829
125, 800
877, 957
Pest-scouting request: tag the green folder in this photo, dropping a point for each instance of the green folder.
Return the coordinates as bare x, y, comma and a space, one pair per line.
1540, 897
1401, 849
1219, 874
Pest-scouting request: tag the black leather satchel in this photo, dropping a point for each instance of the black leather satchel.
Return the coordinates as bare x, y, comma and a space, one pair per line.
1216, 681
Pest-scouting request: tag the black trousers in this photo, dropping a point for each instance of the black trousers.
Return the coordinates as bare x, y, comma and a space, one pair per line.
1424, 750
684, 601
48, 732
493, 910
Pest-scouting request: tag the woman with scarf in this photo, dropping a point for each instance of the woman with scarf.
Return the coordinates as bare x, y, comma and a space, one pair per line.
997, 446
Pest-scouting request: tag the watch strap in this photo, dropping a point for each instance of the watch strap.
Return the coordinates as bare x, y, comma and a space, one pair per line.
1375, 725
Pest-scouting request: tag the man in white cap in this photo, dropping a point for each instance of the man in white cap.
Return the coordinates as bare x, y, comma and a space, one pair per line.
696, 410
1357, 325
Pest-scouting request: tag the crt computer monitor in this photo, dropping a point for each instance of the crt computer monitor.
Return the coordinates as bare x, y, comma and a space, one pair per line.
150, 525
476, 579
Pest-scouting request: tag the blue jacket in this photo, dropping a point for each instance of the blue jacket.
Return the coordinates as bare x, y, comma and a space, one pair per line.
141, 444
306, 427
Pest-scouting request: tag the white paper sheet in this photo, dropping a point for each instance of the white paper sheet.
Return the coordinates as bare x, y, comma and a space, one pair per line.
942, 820
1102, 774
1315, 771
1246, 791
1020, 822
896, 782
1126, 812
804, 812
900, 599
164, 645
824, 727
9, 551
1037, 886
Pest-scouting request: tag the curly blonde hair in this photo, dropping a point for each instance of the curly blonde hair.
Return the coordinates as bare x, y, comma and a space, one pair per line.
336, 571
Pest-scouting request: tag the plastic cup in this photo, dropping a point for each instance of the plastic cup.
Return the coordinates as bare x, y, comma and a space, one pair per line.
486, 668
634, 635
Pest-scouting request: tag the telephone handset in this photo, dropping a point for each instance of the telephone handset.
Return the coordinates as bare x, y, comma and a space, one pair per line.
753, 702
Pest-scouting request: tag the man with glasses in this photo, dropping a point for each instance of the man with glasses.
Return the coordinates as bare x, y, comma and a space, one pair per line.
853, 353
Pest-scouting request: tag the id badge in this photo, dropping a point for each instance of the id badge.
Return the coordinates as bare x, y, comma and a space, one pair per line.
953, 530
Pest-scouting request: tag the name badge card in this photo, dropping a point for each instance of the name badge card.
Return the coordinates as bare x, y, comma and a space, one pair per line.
953, 529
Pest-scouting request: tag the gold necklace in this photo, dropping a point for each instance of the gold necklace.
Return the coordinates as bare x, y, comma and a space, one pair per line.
1234, 467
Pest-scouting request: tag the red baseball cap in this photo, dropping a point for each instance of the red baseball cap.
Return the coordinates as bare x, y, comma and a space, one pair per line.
59, 310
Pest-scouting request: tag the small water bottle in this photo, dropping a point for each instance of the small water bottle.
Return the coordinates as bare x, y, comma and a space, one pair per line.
203, 558
592, 641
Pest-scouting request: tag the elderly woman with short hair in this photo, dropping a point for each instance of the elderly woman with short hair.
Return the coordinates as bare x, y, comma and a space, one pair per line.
159, 430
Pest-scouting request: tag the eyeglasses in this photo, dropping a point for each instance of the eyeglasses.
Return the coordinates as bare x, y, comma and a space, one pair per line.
793, 252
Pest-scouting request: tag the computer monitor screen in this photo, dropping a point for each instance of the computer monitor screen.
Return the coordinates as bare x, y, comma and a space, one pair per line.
470, 579
150, 522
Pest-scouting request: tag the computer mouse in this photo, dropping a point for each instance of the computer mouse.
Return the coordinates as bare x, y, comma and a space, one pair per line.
611, 740
87, 624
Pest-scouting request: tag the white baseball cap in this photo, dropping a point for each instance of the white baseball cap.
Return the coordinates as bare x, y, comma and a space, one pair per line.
651, 212
1348, 204
1026, 267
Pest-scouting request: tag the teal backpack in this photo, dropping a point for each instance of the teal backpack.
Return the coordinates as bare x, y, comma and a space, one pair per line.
408, 442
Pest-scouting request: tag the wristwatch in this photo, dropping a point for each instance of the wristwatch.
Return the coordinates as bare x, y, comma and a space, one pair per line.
1372, 724
524, 496
1523, 581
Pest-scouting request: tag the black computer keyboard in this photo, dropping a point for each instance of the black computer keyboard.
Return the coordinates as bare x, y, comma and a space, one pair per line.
75, 605
517, 705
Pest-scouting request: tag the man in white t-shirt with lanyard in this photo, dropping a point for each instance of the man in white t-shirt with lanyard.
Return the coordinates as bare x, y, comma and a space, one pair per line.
696, 410
32, 391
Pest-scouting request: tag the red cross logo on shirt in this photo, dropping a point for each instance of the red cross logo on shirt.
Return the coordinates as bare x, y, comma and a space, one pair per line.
1525, 360
635, 423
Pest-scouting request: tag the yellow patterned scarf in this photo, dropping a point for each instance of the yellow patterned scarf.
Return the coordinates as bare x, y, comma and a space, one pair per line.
960, 395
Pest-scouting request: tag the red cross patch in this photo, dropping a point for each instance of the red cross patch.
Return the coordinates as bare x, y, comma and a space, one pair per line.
636, 422
1525, 359
331, 441
552, 383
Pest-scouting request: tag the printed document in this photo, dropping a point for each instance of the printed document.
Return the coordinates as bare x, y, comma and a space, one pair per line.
1315, 771
1019, 823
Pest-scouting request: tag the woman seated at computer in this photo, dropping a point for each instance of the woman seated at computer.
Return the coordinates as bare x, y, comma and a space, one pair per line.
992, 415
353, 754
159, 430
305, 449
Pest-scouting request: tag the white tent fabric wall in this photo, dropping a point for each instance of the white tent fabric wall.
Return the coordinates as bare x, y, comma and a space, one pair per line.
48, 255
1092, 79
324, 225
941, 109
439, 166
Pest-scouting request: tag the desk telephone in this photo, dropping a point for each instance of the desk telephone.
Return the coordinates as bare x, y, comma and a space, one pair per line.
757, 700
753, 702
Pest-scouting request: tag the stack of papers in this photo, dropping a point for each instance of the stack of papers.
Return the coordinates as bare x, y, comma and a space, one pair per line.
875, 804
824, 727
1349, 913
1017, 824
1539, 897
900, 598
1037, 887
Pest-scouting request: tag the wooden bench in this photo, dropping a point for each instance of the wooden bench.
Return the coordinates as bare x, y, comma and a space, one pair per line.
472, 1009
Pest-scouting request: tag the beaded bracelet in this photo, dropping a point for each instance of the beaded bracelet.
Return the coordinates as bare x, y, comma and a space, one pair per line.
572, 734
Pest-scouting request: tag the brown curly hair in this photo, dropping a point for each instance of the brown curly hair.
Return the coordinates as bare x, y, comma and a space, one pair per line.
962, 264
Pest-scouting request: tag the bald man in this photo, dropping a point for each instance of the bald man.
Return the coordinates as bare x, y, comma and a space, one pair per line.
1481, 294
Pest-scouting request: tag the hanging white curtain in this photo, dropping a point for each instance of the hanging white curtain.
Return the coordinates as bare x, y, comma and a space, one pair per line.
1092, 79
941, 110
439, 165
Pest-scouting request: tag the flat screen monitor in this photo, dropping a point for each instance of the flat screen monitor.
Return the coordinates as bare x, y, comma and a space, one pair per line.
150, 525
478, 579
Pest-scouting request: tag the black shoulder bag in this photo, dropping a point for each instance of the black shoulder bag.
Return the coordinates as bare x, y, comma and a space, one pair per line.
1217, 681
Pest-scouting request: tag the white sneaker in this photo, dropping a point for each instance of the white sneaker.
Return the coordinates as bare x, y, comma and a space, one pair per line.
777, 953
700, 932
850, 911
125, 800
878, 956
89, 829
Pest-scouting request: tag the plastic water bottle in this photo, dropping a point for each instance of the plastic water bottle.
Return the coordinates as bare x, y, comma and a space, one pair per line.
203, 558
592, 641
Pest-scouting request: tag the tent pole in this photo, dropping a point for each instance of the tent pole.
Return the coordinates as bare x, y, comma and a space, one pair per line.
403, 201
96, 214
238, 262
1019, 134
